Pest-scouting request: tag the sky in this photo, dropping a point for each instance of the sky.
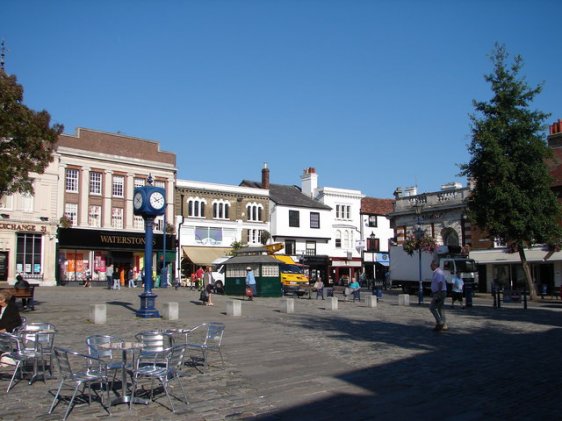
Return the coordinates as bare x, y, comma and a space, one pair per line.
373, 94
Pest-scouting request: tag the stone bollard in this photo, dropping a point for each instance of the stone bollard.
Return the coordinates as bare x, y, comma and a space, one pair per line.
288, 305
403, 300
98, 314
332, 303
234, 308
170, 311
371, 300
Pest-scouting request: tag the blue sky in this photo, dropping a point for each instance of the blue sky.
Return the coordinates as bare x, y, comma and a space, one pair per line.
373, 94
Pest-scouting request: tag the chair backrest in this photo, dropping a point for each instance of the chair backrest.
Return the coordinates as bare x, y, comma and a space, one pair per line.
9, 342
94, 341
45, 340
215, 332
175, 358
73, 365
154, 341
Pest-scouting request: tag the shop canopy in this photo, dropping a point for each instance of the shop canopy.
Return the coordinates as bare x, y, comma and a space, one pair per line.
204, 256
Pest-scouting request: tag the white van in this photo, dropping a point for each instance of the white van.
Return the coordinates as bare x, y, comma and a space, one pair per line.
218, 270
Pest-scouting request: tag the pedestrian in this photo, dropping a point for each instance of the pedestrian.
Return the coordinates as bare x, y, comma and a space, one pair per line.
458, 285
193, 281
355, 290
88, 278
208, 278
251, 282
22, 284
117, 279
199, 278
109, 276
319, 288
439, 293
131, 277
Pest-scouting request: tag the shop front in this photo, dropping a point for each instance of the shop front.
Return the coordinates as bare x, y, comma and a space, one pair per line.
343, 270
88, 253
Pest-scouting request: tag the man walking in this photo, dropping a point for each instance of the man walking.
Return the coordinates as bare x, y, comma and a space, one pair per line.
251, 282
109, 276
439, 293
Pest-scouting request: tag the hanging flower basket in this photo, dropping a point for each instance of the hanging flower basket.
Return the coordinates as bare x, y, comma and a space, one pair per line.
424, 243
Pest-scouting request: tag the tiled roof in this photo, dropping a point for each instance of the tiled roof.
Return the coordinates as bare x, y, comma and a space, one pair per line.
288, 195
375, 206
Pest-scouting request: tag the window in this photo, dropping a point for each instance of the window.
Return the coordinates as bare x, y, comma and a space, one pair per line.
338, 239
343, 212
138, 222
208, 235
26, 202
6, 202
95, 183
254, 236
314, 220
71, 212
196, 208
160, 183
254, 211
373, 244
159, 223
290, 247
294, 218
139, 182
373, 221
221, 209
118, 186
117, 218
94, 216
310, 248
71, 180
28, 254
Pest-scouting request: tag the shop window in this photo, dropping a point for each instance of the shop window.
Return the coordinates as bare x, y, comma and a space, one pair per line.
28, 254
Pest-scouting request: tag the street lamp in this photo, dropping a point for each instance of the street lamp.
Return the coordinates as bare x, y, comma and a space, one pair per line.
373, 248
419, 232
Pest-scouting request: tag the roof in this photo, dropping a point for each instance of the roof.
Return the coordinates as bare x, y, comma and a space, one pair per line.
285, 195
375, 206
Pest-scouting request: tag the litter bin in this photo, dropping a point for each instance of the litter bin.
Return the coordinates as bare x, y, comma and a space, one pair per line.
468, 287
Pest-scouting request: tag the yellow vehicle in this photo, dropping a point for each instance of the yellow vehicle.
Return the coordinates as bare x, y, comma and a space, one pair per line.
293, 278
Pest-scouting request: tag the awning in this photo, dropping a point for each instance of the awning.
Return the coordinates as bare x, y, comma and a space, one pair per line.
500, 256
204, 256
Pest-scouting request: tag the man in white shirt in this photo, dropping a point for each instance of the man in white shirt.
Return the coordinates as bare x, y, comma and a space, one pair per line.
439, 293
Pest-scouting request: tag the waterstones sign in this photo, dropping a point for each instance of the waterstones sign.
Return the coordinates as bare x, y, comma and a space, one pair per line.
96, 239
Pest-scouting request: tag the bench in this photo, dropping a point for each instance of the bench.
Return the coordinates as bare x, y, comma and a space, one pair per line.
23, 293
339, 291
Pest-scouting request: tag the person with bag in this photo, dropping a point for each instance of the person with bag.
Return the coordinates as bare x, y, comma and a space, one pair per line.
319, 288
250, 284
22, 284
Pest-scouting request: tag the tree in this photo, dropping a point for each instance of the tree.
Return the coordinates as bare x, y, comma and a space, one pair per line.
512, 199
27, 139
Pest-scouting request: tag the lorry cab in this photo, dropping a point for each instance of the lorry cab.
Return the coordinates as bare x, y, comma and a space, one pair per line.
466, 267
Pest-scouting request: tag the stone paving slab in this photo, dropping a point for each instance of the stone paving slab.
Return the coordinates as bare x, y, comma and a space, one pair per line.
357, 363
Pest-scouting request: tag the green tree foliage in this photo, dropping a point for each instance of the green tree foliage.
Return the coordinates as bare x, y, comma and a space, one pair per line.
27, 139
512, 199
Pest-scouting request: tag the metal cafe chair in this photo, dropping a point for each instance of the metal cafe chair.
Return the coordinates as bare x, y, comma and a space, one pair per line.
77, 371
14, 356
206, 338
38, 339
165, 366
114, 362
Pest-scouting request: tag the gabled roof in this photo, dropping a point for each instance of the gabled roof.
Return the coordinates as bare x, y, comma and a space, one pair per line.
288, 196
375, 206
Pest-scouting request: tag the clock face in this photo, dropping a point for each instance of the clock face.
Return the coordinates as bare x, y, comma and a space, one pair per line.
137, 200
157, 200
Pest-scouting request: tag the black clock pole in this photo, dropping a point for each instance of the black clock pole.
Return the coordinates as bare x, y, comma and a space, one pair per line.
147, 298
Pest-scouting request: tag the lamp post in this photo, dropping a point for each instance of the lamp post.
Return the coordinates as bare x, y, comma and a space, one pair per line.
419, 232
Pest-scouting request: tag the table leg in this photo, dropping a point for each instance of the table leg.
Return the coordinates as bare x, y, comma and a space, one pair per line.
125, 397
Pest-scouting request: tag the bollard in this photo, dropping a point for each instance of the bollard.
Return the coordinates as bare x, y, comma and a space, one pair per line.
98, 313
332, 303
234, 308
371, 300
170, 311
468, 294
403, 300
288, 305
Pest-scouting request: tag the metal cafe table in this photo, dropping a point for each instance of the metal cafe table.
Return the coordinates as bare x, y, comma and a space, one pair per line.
125, 347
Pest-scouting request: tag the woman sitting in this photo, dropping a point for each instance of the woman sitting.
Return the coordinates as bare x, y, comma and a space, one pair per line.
9, 314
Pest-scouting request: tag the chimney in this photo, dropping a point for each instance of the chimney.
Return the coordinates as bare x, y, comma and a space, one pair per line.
309, 181
265, 176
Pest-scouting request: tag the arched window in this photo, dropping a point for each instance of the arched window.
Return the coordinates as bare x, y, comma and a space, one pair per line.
221, 209
254, 211
196, 207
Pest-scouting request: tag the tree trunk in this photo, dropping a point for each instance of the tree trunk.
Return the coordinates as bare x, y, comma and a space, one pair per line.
528, 276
